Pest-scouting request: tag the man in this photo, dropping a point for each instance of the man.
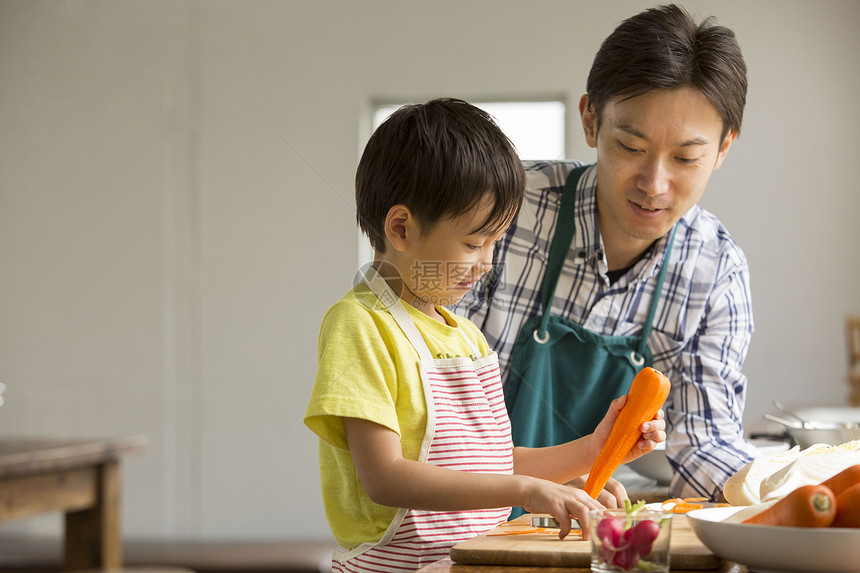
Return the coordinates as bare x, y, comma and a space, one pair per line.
632, 270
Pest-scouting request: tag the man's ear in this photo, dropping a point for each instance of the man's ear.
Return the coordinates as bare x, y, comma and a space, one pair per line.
400, 227
724, 148
589, 121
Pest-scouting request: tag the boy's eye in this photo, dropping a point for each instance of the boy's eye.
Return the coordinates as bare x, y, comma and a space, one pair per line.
688, 160
473, 247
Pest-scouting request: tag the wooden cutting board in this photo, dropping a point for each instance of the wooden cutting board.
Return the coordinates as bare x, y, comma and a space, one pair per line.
545, 549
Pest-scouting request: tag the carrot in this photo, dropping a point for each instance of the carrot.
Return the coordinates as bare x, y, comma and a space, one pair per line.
806, 506
848, 507
843, 480
648, 391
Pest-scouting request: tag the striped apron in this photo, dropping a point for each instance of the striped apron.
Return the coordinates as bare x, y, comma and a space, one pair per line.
467, 430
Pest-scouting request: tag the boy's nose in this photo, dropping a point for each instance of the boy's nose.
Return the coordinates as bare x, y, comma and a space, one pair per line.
486, 261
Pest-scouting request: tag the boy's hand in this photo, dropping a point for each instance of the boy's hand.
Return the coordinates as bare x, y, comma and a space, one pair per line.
561, 502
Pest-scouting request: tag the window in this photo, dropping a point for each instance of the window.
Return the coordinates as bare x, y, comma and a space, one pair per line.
536, 129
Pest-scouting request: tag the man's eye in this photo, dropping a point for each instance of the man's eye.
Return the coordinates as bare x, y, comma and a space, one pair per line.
628, 149
688, 160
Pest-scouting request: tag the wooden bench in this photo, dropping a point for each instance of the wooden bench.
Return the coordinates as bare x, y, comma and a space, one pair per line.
140, 570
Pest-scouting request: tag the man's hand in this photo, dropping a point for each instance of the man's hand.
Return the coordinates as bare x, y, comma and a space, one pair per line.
653, 432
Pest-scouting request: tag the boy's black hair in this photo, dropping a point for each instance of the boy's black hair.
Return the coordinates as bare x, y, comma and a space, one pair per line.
663, 48
439, 159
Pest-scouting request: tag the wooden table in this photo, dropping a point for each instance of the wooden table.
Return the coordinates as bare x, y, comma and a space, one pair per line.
78, 477
448, 566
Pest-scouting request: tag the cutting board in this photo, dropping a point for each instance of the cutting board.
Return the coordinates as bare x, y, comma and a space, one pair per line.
547, 550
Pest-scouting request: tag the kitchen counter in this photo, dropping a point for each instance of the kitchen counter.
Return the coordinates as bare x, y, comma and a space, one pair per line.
448, 566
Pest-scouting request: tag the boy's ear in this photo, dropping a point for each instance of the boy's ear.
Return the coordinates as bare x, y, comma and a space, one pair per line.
400, 226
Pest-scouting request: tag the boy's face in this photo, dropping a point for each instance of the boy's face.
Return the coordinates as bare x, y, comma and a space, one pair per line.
439, 265
655, 155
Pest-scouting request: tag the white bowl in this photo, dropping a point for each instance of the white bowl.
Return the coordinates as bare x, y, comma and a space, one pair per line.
654, 465
772, 548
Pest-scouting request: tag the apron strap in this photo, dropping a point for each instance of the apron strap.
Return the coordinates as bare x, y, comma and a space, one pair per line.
475, 352
562, 236
391, 301
652, 309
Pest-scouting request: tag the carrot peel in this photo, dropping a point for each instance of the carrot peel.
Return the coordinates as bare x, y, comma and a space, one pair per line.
679, 505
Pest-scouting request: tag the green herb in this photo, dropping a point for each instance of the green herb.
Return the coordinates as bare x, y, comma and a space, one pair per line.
632, 509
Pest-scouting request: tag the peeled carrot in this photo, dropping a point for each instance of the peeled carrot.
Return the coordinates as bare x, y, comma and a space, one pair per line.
648, 391
848, 507
683, 505
843, 480
806, 506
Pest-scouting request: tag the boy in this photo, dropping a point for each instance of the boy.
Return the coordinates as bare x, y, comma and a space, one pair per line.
415, 446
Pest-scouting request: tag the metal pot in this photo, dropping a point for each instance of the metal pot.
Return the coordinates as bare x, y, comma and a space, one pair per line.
810, 426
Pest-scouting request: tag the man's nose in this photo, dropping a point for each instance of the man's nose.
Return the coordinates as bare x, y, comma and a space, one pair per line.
655, 177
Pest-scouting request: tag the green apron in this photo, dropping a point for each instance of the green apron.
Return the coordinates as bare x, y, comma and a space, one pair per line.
562, 376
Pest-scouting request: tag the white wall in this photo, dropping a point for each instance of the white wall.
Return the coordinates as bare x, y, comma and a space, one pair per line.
176, 213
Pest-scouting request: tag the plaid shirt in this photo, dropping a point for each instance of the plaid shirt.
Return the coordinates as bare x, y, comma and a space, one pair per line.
701, 331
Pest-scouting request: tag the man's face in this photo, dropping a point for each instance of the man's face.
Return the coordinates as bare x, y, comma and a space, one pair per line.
655, 154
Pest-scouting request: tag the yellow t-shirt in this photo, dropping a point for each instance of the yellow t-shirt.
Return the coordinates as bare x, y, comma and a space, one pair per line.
368, 369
